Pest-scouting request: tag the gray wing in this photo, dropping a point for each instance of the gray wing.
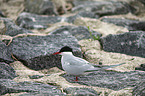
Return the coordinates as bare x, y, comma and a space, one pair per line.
100, 67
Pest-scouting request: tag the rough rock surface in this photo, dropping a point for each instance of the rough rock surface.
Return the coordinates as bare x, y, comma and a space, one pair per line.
5, 53
129, 24
71, 19
12, 29
6, 71
131, 43
103, 7
36, 51
80, 91
109, 79
139, 89
33, 88
33, 21
45, 7
80, 32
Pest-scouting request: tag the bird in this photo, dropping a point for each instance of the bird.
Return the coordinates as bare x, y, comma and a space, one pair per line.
77, 66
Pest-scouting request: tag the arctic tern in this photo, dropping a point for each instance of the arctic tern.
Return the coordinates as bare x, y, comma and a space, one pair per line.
76, 66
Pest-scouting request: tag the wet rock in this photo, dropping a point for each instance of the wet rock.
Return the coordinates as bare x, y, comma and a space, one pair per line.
6, 71
142, 67
129, 24
102, 8
131, 43
12, 29
139, 89
36, 51
80, 91
80, 32
45, 7
5, 53
109, 79
10, 86
33, 21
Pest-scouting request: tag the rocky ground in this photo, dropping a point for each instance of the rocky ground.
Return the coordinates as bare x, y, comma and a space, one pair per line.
104, 32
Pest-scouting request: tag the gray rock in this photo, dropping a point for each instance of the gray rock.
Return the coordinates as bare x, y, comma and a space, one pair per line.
36, 51
71, 19
10, 86
33, 21
131, 43
139, 89
129, 24
6, 71
5, 53
12, 29
80, 32
109, 79
103, 7
80, 91
45, 7
142, 67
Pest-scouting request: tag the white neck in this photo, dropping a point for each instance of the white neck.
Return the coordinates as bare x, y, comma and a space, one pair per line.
66, 53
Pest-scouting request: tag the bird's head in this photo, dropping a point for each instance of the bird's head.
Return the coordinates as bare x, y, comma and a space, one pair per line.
64, 50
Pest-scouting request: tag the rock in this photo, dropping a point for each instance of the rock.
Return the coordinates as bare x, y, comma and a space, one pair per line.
1, 14
10, 86
142, 67
12, 29
33, 21
102, 8
139, 89
109, 79
36, 51
80, 91
71, 19
131, 43
80, 32
129, 24
99, 26
5, 53
45, 7
6, 71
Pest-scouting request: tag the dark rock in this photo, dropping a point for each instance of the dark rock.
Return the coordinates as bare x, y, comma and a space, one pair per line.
36, 51
109, 79
10, 86
102, 8
36, 76
131, 43
33, 21
1, 14
129, 24
80, 32
5, 53
142, 67
45, 7
139, 89
80, 91
71, 19
6, 71
12, 29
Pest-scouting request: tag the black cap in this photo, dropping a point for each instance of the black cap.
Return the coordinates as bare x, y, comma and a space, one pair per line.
65, 49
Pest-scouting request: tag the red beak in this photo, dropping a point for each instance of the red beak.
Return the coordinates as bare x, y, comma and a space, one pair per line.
56, 53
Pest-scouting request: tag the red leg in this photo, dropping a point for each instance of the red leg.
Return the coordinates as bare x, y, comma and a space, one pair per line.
76, 78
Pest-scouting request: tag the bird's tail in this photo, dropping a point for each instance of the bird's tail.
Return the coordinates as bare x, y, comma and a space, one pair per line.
100, 67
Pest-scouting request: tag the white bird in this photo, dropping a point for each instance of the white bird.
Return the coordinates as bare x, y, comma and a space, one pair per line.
76, 66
